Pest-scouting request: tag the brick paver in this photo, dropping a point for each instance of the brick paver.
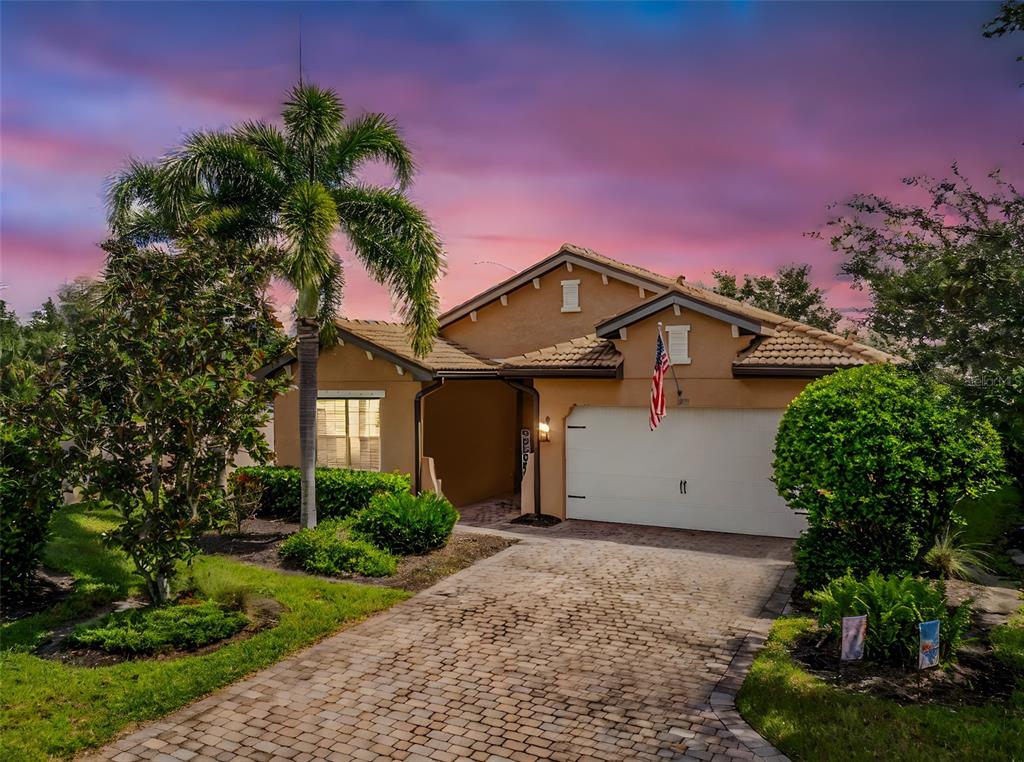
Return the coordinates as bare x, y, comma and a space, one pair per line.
589, 641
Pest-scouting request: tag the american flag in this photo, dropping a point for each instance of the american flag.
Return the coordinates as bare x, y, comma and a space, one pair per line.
658, 383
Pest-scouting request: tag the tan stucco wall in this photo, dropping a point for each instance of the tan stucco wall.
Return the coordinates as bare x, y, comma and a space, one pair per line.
344, 368
469, 429
706, 382
534, 319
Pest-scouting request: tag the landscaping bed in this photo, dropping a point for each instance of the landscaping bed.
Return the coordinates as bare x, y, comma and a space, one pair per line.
815, 711
56, 701
261, 538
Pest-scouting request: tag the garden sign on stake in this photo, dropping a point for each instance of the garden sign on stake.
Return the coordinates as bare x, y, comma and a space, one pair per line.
855, 628
928, 652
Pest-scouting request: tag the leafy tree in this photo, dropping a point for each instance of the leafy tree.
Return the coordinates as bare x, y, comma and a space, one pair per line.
290, 191
160, 395
878, 457
1009, 20
947, 286
789, 292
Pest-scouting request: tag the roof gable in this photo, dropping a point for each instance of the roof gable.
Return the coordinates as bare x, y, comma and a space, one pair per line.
568, 253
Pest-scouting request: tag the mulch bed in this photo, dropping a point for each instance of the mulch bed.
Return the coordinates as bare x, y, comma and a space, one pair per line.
46, 590
260, 539
536, 520
976, 678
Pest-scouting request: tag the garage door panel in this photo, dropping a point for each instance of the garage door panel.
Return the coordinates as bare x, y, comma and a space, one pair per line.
619, 470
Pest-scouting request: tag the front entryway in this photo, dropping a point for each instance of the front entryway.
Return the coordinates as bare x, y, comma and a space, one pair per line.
707, 469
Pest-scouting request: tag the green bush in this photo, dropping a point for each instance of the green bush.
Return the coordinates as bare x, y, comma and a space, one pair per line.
894, 606
30, 492
155, 630
406, 524
340, 492
878, 458
329, 550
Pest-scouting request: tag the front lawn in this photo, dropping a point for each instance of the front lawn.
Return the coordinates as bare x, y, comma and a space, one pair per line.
809, 720
51, 709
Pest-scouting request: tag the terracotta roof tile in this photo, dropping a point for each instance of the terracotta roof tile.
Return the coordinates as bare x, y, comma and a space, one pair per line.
394, 337
583, 352
794, 344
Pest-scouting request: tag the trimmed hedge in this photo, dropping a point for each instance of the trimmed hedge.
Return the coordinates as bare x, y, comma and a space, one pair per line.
340, 492
406, 524
878, 457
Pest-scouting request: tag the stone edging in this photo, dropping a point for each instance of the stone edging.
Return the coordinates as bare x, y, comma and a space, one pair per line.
723, 697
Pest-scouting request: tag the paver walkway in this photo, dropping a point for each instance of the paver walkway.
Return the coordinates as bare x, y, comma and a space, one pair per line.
586, 641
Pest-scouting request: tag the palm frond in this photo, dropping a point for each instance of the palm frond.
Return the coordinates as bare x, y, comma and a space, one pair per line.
218, 168
312, 117
131, 194
330, 303
399, 247
269, 142
308, 217
371, 137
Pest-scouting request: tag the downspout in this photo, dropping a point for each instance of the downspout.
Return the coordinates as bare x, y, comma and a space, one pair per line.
536, 438
417, 426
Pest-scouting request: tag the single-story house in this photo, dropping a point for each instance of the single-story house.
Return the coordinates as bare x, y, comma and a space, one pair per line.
541, 386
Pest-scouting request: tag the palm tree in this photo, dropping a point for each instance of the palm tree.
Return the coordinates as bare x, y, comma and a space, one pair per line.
292, 190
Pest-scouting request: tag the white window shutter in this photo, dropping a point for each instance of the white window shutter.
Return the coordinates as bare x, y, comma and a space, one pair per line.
570, 296
678, 337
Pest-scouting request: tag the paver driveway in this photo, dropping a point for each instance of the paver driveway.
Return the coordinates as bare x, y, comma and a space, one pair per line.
588, 641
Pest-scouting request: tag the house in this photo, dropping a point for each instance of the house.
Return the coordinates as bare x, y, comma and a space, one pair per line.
541, 385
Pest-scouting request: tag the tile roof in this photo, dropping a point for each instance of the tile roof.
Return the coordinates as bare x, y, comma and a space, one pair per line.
641, 272
795, 345
584, 352
394, 337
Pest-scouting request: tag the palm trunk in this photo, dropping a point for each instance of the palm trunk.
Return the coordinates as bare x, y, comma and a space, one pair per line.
309, 350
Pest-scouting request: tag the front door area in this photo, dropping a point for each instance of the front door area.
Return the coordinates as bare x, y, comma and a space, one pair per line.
705, 469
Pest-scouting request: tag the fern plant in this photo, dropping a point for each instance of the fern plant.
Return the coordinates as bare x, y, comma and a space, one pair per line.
894, 606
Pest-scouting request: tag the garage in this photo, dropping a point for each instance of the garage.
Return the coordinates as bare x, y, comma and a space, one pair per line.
706, 469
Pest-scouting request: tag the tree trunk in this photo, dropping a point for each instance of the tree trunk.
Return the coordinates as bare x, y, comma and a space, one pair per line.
160, 589
309, 350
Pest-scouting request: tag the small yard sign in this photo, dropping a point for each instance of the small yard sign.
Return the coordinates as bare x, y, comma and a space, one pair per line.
855, 628
928, 653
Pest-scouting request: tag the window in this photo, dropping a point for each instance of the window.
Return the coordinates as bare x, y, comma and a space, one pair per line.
678, 337
348, 433
570, 296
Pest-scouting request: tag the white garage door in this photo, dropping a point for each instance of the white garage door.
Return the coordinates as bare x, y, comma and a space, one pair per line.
701, 469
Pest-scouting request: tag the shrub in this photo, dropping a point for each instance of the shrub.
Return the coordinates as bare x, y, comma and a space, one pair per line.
406, 524
951, 557
329, 550
154, 630
823, 553
245, 495
340, 492
30, 491
894, 606
878, 458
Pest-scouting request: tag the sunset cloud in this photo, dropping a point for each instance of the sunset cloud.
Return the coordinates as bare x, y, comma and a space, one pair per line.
685, 138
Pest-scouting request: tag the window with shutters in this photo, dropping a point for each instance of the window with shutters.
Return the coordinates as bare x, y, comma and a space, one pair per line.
678, 338
348, 433
570, 296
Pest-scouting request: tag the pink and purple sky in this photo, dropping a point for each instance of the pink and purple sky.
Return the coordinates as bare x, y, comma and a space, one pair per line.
684, 138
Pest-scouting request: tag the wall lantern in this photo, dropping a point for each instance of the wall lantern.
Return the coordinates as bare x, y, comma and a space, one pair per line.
545, 429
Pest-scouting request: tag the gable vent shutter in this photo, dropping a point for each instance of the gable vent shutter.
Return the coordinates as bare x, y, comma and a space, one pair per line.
678, 344
570, 296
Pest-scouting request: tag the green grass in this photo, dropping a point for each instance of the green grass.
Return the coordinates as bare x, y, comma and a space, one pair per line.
809, 720
48, 709
1008, 643
988, 520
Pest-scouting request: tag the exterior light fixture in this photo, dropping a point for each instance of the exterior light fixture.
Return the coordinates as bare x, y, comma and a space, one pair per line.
545, 429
